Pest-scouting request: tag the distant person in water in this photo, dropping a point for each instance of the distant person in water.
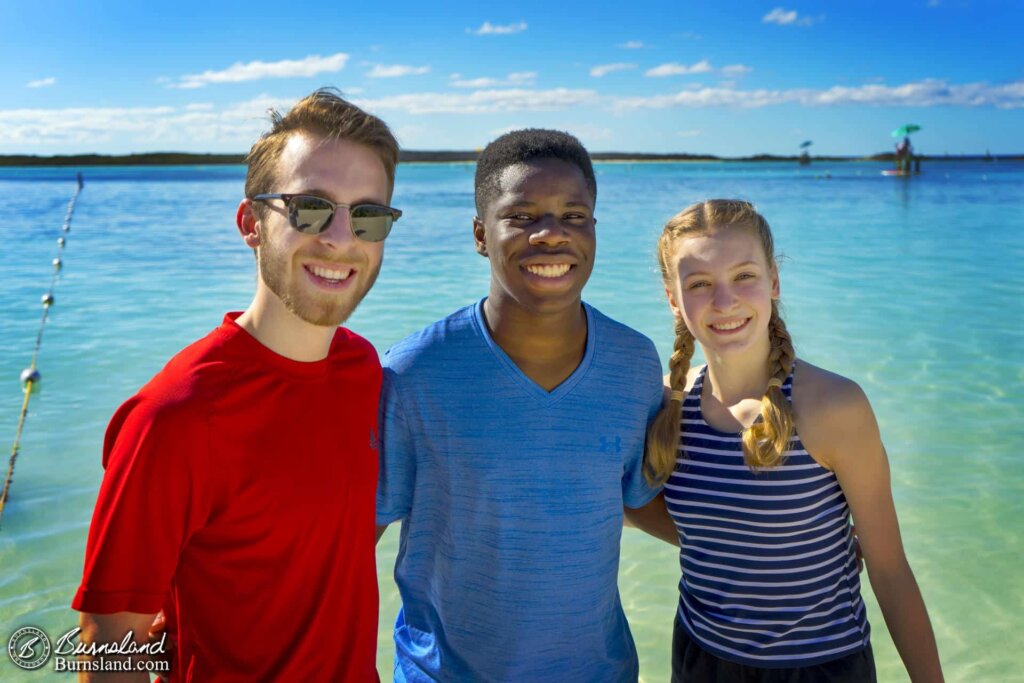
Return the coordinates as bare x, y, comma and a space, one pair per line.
764, 458
904, 154
512, 439
239, 487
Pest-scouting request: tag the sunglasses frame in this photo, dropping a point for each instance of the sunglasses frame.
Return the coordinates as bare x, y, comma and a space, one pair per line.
287, 199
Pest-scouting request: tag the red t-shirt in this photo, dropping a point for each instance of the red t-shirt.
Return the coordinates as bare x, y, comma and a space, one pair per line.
239, 497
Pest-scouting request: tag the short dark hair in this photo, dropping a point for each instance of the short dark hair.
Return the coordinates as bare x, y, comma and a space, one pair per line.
327, 114
522, 146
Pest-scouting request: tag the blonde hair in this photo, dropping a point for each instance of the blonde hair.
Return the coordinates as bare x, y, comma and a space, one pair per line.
764, 442
326, 114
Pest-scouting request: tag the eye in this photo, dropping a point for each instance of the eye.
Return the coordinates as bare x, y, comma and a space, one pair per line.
518, 216
575, 216
746, 276
697, 284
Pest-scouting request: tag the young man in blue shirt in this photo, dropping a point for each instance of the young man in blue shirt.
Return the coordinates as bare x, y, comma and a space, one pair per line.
512, 438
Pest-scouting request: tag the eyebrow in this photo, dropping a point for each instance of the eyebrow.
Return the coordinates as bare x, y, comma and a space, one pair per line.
327, 195
745, 264
527, 202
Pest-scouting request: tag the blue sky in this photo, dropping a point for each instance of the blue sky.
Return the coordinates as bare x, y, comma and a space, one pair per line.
727, 78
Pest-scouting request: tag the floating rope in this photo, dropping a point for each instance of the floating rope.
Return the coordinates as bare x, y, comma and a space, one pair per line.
30, 376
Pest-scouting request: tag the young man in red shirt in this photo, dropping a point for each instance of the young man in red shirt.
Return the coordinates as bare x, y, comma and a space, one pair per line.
239, 488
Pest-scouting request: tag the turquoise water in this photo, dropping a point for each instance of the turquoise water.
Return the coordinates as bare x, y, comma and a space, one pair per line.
911, 287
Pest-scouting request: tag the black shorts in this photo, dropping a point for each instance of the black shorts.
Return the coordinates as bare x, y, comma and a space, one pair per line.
692, 664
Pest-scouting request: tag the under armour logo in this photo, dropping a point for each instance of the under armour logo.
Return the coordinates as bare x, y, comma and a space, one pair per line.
608, 446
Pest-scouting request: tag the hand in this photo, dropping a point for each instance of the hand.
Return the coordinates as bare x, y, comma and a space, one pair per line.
157, 630
856, 550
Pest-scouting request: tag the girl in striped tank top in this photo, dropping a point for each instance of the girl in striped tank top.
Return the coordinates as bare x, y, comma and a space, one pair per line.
763, 461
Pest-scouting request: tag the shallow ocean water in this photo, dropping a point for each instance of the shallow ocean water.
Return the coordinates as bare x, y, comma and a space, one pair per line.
911, 287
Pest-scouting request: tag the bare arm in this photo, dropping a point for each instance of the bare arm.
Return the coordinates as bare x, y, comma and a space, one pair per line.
653, 519
111, 628
860, 463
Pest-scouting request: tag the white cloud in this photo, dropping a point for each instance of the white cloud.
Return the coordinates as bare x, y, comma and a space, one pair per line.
736, 70
487, 28
926, 93
396, 70
676, 69
203, 126
689, 133
784, 17
602, 69
516, 79
254, 71
484, 101
41, 83
632, 45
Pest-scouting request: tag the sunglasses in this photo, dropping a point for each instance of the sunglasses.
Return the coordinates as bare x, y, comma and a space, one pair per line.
311, 215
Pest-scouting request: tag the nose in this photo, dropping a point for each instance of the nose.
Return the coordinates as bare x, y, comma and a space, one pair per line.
339, 231
549, 232
723, 298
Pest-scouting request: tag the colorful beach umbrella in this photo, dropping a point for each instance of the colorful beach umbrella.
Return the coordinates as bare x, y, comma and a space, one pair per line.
905, 130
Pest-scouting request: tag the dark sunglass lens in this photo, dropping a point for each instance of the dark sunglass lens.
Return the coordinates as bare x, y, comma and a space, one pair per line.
371, 222
310, 214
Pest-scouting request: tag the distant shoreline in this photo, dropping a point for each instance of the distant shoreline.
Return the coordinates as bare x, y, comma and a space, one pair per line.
417, 156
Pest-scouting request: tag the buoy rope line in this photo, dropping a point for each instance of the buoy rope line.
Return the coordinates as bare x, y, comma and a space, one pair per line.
30, 376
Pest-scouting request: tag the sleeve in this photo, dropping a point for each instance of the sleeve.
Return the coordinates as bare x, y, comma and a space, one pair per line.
396, 477
155, 494
636, 491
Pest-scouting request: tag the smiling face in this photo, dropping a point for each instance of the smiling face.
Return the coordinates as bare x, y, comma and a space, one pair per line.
320, 278
538, 233
723, 287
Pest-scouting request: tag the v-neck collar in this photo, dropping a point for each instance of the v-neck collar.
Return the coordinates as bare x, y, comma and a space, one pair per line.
528, 385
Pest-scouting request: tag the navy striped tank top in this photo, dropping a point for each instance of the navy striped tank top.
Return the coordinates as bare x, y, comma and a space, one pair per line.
769, 569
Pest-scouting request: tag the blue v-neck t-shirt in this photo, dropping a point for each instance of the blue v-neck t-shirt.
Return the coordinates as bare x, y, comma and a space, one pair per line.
511, 499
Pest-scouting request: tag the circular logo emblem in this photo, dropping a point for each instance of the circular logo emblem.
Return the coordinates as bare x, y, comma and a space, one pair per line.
29, 648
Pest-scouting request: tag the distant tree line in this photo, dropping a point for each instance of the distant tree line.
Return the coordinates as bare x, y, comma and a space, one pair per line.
186, 159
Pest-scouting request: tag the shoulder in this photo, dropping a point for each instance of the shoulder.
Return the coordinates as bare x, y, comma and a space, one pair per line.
614, 337
437, 342
351, 345
691, 378
821, 393
191, 375
831, 412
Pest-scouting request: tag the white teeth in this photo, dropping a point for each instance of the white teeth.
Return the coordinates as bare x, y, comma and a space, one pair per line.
729, 326
328, 274
554, 270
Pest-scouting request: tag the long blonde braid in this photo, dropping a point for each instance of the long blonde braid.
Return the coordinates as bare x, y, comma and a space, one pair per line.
765, 442
663, 434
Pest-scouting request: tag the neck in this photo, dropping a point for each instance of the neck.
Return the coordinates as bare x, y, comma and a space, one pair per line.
540, 337
273, 325
739, 376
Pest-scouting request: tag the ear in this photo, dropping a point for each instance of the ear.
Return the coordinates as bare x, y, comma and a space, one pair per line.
248, 224
479, 236
775, 281
672, 304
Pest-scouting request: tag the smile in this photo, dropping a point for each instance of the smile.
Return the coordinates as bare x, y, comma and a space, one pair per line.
729, 326
329, 274
551, 270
